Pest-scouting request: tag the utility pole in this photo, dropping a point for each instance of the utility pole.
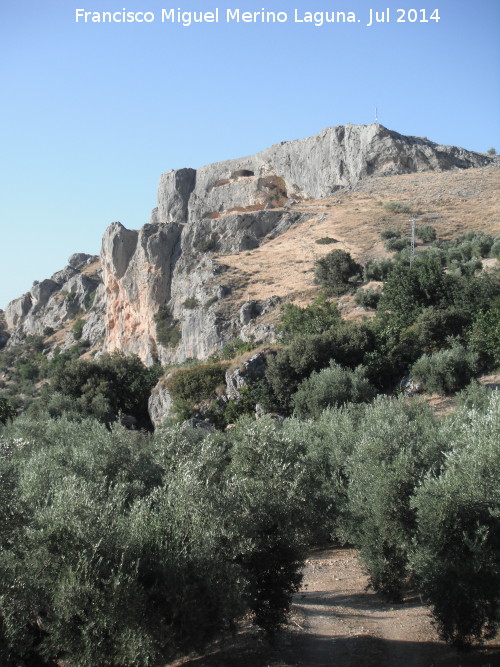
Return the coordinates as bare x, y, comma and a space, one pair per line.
412, 243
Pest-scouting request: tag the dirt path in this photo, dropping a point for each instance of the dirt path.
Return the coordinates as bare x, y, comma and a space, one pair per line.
336, 622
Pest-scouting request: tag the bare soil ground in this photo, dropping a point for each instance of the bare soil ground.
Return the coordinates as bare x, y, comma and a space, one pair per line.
452, 202
337, 622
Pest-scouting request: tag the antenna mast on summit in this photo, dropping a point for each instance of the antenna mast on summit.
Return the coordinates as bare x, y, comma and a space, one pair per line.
376, 115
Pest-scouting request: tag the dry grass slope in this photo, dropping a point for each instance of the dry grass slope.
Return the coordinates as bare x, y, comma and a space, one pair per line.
452, 202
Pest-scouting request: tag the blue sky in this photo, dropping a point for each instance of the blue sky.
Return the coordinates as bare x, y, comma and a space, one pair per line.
92, 114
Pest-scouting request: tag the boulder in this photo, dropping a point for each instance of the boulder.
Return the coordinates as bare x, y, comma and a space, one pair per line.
250, 371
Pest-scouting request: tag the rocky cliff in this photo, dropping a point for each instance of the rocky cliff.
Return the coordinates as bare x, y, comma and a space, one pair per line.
54, 303
315, 167
164, 292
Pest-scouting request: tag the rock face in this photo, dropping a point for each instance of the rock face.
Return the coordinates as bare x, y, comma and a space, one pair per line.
337, 157
137, 276
160, 404
52, 303
167, 271
160, 292
250, 371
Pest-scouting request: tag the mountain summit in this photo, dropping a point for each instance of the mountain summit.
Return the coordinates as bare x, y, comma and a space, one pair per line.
184, 285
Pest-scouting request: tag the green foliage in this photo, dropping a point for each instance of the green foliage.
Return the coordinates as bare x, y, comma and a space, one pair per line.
410, 288
191, 302
484, 336
426, 233
458, 541
395, 245
334, 271
368, 298
397, 207
446, 371
331, 387
474, 397
236, 347
470, 245
326, 240
316, 318
397, 444
208, 244
390, 233
495, 248
196, 382
77, 329
6, 410
346, 343
105, 388
377, 269
492, 151
143, 548
168, 332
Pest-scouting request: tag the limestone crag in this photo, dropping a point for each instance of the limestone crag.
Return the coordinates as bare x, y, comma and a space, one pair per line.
315, 167
53, 302
160, 403
164, 293
250, 371
137, 271
168, 271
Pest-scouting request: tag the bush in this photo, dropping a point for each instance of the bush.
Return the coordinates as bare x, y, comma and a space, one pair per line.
398, 207
446, 371
77, 329
331, 387
377, 269
316, 318
495, 248
196, 382
326, 240
396, 245
334, 271
123, 550
208, 244
484, 336
168, 332
347, 344
6, 410
397, 444
390, 233
105, 388
409, 289
191, 302
458, 542
368, 298
425, 233
474, 397
236, 347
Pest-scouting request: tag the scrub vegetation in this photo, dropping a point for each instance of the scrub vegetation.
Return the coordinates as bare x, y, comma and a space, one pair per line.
120, 546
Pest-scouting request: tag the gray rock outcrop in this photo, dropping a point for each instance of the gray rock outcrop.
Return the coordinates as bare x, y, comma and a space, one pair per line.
337, 157
250, 371
53, 302
160, 404
160, 292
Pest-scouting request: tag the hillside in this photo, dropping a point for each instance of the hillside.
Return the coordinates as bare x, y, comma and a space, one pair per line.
245, 230
271, 364
452, 202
